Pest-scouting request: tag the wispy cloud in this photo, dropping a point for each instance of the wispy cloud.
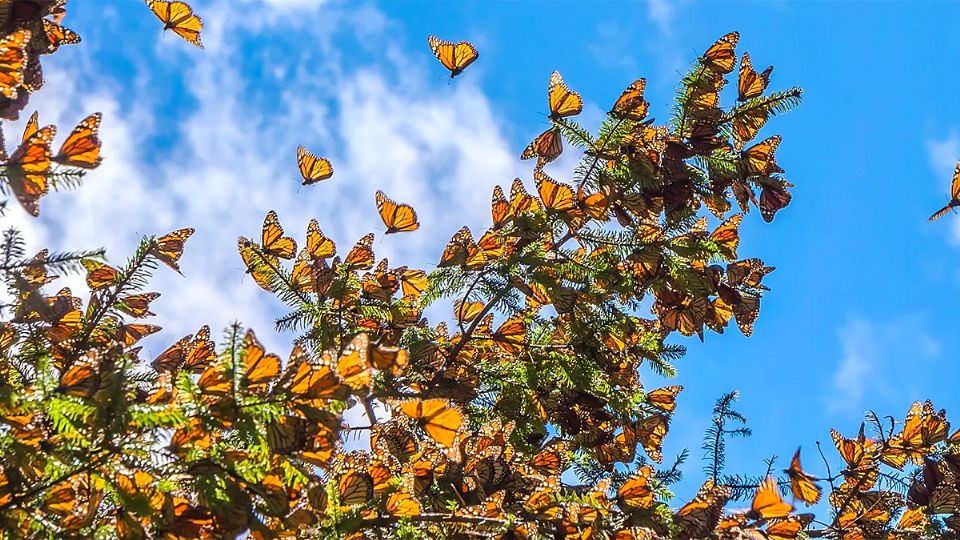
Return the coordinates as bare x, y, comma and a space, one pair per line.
661, 13
229, 156
872, 354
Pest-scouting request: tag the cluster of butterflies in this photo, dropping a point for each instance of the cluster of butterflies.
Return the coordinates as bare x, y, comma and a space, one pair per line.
31, 168
261, 439
30, 29
57, 352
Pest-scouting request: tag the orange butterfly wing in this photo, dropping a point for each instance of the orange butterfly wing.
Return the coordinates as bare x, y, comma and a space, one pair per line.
563, 102
178, 17
455, 57
722, 55
396, 216
13, 62
313, 169
82, 147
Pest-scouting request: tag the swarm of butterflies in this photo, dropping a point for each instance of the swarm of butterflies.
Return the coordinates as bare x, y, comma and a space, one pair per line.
521, 416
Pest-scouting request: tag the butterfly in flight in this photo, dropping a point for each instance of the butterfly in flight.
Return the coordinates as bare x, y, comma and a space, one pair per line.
82, 147
313, 169
179, 17
455, 57
954, 196
396, 216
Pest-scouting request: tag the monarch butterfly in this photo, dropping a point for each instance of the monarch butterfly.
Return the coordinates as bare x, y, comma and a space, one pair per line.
466, 312
440, 418
179, 17
699, 517
954, 195
32, 126
665, 398
631, 104
747, 123
273, 241
460, 246
13, 61
912, 518
555, 196
288, 434
260, 368
750, 83
759, 159
137, 305
169, 247
722, 55
82, 147
802, 484
353, 366
637, 490
551, 460
767, 503
563, 102
318, 245
748, 272
455, 57
313, 169
82, 379
28, 166
787, 528
395, 438
192, 352
773, 198
129, 334
923, 428
684, 313
546, 147
354, 487
391, 359
413, 282
650, 433
934, 490
397, 217
746, 312
858, 453
361, 256
520, 200
401, 503
58, 35
727, 236
307, 381
511, 335
258, 265
100, 275
500, 209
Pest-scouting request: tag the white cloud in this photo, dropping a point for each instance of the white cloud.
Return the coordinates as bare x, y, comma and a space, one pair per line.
873, 353
390, 127
944, 153
661, 13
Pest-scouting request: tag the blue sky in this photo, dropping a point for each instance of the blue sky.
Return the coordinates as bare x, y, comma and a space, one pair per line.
862, 312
